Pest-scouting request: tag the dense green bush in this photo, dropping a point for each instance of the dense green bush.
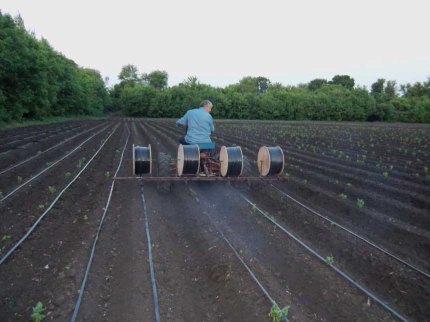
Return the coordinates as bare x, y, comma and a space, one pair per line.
37, 82
257, 98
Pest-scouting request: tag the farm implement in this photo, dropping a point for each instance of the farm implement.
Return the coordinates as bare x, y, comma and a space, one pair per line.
201, 162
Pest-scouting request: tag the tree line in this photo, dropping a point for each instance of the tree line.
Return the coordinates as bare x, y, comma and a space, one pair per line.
337, 99
36, 81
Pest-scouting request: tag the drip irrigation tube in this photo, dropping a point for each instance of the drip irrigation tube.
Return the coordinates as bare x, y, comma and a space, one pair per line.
321, 258
52, 147
188, 159
151, 264
93, 249
50, 166
236, 253
353, 233
10, 252
231, 159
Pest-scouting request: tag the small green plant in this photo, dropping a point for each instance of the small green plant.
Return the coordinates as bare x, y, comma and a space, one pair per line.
51, 189
81, 161
343, 196
3, 240
107, 174
67, 175
426, 169
329, 260
19, 179
49, 163
385, 174
117, 151
41, 206
360, 203
37, 314
276, 313
6, 238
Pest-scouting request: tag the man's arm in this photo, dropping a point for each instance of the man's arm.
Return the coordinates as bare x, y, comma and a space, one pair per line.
212, 125
183, 120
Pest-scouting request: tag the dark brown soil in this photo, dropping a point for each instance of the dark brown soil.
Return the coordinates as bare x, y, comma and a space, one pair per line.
199, 278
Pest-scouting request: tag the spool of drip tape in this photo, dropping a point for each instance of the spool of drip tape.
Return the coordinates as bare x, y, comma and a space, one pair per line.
142, 160
188, 160
270, 161
231, 159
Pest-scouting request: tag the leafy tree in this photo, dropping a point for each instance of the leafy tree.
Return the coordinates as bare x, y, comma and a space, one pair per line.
343, 80
129, 74
157, 79
316, 83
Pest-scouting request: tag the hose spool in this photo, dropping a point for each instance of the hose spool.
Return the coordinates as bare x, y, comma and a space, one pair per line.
188, 161
231, 159
142, 160
270, 161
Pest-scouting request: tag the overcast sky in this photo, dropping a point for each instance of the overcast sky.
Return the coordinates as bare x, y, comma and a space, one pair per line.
221, 41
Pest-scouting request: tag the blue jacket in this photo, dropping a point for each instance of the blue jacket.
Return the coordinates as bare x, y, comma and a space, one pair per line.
200, 125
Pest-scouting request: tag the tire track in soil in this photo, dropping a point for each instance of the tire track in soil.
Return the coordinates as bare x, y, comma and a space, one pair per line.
404, 289
417, 308
49, 266
33, 148
335, 303
19, 132
32, 135
328, 154
21, 210
347, 173
309, 286
12, 162
377, 227
28, 171
198, 276
41, 137
343, 168
119, 287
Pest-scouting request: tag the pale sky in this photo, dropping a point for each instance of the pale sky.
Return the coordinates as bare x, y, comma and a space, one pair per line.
221, 41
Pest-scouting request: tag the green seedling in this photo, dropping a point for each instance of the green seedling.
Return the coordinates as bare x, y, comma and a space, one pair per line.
276, 313
426, 169
49, 163
41, 206
37, 314
329, 260
51, 189
67, 175
6, 238
19, 179
360, 203
107, 174
343, 196
117, 151
385, 174
81, 161
287, 174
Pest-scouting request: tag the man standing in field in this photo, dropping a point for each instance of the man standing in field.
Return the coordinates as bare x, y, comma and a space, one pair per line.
199, 124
